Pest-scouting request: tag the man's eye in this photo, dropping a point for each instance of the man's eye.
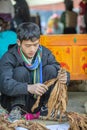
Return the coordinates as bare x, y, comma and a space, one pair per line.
27, 45
36, 44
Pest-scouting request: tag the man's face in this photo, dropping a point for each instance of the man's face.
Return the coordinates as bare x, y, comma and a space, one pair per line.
29, 48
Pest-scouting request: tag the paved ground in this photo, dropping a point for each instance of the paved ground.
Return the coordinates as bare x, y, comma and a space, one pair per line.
76, 101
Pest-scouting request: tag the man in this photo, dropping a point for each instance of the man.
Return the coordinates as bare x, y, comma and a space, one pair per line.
24, 69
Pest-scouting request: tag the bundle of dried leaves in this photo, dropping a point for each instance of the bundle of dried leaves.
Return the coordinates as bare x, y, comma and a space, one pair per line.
30, 125
4, 123
48, 84
58, 98
57, 101
77, 121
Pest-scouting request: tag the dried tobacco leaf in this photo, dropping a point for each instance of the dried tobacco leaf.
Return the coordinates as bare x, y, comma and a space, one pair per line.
77, 121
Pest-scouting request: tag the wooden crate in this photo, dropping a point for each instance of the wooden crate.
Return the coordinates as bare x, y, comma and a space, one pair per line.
71, 51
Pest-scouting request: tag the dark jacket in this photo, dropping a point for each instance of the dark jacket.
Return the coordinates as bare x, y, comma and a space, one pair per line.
10, 87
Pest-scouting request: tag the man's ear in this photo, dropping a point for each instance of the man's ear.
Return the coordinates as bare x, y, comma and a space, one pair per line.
18, 42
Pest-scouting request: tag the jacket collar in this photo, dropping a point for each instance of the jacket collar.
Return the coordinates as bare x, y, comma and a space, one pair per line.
14, 50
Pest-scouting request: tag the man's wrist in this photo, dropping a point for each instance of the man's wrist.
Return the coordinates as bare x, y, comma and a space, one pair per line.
28, 88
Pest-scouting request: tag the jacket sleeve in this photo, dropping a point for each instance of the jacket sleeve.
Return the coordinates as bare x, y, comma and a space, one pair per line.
8, 85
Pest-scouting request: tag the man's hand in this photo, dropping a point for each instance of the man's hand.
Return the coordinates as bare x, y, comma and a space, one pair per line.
62, 76
38, 89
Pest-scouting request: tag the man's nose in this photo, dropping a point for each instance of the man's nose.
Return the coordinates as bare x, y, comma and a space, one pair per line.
32, 48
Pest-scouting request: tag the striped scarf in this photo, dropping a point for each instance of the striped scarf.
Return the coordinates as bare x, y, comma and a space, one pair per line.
35, 66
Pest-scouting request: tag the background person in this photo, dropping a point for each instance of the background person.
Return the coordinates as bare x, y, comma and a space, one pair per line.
7, 37
22, 12
69, 18
82, 14
54, 26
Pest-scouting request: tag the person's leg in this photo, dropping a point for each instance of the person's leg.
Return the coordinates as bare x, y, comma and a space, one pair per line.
18, 103
26, 102
20, 74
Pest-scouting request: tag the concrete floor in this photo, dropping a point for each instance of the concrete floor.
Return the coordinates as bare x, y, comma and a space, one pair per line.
76, 101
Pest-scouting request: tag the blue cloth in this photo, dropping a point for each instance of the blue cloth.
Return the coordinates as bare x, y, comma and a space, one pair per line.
6, 38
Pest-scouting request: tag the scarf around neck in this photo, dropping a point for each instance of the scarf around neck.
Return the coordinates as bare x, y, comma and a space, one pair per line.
36, 66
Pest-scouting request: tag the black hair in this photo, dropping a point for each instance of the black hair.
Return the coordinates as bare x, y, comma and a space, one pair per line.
2, 23
28, 31
68, 4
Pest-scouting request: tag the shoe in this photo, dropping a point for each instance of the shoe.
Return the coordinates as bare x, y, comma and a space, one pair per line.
44, 111
15, 114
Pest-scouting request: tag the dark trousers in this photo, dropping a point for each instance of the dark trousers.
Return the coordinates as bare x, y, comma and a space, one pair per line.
22, 74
